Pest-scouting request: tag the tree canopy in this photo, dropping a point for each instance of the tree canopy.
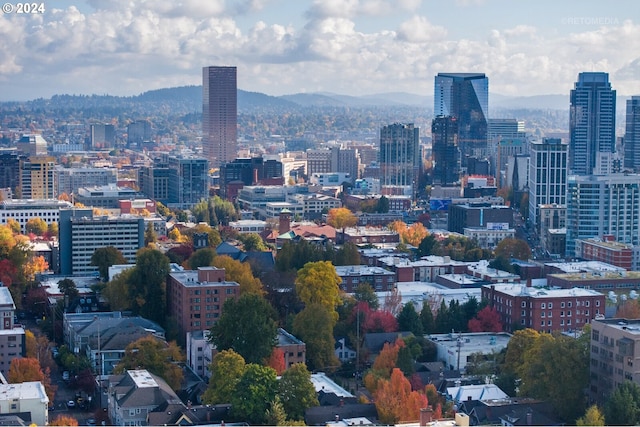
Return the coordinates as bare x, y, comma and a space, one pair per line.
255, 391
105, 257
296, 391
247, 326
227, 368
318, 283
147, 285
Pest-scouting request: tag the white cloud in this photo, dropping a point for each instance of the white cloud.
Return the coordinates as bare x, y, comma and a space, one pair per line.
419, 30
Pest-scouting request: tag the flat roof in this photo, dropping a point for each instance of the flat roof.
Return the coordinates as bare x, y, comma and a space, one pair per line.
631, 326
361, 270
322, 382
189, 278
516, 289
479, 342
26, 390
142, 378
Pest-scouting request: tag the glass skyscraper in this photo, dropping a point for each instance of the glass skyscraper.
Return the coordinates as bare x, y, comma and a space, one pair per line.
632, 135
219, 114
399, 158
464, 96
592, 124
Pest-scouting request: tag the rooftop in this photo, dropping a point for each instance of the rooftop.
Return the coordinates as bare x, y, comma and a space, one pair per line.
20, 391
479, 342
5, 298
142, 378
189, 278
361, 270
631, 326
322, 382
521, 289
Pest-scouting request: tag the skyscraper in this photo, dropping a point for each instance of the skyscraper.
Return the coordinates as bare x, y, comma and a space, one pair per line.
632, 135
592, 124
547, 176
465, 96
446, 155
219, 114
399, 158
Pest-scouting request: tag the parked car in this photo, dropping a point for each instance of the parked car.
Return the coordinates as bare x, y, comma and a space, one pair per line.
91, 422
65, 375
71, 404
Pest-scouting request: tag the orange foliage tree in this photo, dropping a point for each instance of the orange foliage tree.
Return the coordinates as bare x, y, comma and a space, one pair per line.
412, 235
630, 309
64, 420
395, 402
26, 369
36, 265
383, 365
276, 361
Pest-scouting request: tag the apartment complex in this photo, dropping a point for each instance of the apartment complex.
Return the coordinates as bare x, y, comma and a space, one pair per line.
22, 210
12, 337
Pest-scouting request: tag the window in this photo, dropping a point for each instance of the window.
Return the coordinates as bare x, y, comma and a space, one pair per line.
597, 303
549, 323
543, 306
542, 314
569, 304
550, 306
587, 303
523, 304
562, 304
523, 313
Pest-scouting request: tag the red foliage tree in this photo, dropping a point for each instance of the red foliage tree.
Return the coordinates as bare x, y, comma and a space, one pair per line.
487, 320
380, 321
276, 361
8, 272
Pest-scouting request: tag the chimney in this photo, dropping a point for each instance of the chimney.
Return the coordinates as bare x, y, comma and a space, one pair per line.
285, 221
337, 417
426, 415
529, 417
528, 283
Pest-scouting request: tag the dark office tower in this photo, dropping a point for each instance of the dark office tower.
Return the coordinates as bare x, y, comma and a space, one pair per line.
219, 114
592, 124
138, 132
446, 156
103, 136
399, 158
632, 135
10, 170
465, 96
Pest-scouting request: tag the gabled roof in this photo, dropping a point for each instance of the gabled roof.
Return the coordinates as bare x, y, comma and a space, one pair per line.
374, 342
226, 248
140, 388
476, 392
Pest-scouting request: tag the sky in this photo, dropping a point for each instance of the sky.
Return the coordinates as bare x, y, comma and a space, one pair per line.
350, 47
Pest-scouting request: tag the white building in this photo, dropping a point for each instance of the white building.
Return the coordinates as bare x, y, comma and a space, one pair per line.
200, 352
329, 179
25, 397
547, 175
22, 210
489, 237
248, 226
455, 349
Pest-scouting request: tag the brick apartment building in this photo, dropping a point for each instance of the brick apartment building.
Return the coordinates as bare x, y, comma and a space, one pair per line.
196, 297
600, 281
545, 310
607, 250
381, 280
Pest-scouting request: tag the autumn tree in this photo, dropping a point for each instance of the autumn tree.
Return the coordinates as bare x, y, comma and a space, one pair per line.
341, 218
64, 420
629, 309
226, 369
25, 369
156, 356
513, 248
150, 235
314, 326
248, 326
14, 226
296, 391
414, 234
236, 271
147, 286
487, 320
383, 365
318, 283
364, 292
395, 402
254, 393
37, 226
34, 266
105, 257
276, 361
593, 417
253, 242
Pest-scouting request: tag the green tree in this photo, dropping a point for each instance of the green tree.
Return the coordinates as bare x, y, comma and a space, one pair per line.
103, 258
409, 320
593, 417
201, 211
318, 283
622, 408
364, 292
382, 205
276, 415
314, 326
221, 211
348, 254
248, 326
428, 246
226, 368
37, 226
157, 357
150, 235
116, 292
426, 317
147, 287
519, 344
253, 242
296, 391
68, 289
236, 271
202, 258
254, 393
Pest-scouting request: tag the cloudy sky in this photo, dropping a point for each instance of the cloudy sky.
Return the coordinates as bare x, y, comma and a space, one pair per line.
354, 47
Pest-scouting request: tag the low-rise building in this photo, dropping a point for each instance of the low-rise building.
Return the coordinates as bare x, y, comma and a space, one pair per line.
22, 210
456, 349
489, 237
545, 310
381, 280
606, 249
27, 398
12, 337
248, 226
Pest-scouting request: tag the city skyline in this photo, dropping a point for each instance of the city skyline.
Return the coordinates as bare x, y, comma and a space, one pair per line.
352, 48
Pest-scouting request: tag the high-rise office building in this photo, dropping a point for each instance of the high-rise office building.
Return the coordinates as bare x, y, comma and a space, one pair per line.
592, 124
465, 96
37, 178
446, 155
219, 114
399, 158
103, 136
188, 180
599, 205
10, 169
547, 175
138, 132
632, 135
